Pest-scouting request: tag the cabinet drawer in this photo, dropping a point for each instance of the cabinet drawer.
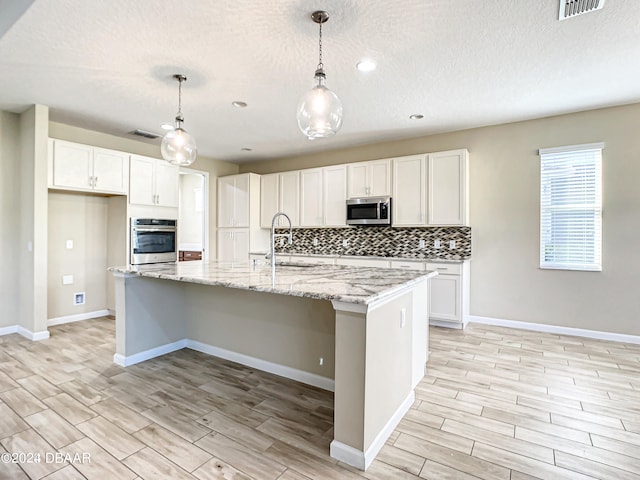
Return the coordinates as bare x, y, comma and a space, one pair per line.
362, 262
407, 265
446, 268
314, 260
190, 255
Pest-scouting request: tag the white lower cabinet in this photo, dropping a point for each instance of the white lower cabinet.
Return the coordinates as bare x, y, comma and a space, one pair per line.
314, 260
233, 245
449, 294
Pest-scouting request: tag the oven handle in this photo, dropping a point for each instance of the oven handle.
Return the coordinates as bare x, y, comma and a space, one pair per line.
153, 229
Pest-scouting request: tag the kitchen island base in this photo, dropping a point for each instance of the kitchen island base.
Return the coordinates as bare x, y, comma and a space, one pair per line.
371, 355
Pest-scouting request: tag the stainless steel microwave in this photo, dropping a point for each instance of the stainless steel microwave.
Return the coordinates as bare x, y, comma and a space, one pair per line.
369, 211
153, 241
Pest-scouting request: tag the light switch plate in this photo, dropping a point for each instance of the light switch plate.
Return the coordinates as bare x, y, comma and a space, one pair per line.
67, 279
69, 244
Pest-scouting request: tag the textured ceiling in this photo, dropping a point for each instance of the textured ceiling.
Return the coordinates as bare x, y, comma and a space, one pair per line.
108, 66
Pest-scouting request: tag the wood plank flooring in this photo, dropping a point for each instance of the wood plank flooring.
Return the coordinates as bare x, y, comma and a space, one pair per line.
495, 404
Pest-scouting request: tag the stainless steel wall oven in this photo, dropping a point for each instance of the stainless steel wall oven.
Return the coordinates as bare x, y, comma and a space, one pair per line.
153, 240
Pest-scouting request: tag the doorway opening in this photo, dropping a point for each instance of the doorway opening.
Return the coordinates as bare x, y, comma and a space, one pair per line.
193, 215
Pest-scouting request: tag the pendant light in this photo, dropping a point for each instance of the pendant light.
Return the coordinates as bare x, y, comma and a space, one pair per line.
178, 147
319, 110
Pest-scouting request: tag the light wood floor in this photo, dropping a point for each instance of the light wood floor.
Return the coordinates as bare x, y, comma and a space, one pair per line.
496, 404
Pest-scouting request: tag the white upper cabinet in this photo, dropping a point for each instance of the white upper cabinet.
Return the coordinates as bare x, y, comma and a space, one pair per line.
153, 182
233, 201
409, 191
447, 187
290, 197
369, 179
74, 166
323, 195
431, 189
335, 196
311, 205
269, 199
280, 192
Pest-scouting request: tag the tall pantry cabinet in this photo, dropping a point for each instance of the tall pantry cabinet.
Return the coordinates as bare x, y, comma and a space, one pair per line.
239, 229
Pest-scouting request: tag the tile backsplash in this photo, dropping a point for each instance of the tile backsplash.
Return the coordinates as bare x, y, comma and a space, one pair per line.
381, 242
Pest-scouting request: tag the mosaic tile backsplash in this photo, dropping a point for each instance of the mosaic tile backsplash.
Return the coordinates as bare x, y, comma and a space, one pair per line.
381, 242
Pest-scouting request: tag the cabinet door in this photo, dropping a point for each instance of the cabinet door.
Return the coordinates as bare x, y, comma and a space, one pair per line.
225, 246
167, 184
444, 298
241, 201
380, 178
72, 165
447, 188
268, 198
110, 170
409, 195
290, 198
141, 172
357, 181
311, 211
363, 262
226, 187
335, 196
241, 245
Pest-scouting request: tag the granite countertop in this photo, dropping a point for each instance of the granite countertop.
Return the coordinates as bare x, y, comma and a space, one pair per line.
369, 257
362, 285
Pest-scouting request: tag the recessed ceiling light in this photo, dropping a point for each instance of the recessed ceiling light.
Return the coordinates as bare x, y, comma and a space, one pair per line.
366, 66
166, 126
239, 104
246, 149
416, 116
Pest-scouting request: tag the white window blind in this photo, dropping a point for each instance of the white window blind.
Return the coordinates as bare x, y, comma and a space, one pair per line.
571, 207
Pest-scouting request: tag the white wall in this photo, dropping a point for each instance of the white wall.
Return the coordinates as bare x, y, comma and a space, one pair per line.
10, 247
506, 281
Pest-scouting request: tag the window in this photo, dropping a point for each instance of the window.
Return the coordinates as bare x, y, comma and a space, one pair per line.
571, 207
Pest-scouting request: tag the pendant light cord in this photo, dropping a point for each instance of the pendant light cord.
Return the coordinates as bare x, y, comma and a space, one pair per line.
320, 65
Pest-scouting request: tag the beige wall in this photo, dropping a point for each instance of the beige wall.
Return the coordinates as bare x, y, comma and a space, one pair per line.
506, 281
10, 245
82, 219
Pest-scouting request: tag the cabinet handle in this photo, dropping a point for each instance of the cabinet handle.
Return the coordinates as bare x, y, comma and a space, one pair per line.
158, 198
95, 181
442, 268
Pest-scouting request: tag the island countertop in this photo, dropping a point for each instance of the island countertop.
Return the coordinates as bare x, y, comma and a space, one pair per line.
361, 285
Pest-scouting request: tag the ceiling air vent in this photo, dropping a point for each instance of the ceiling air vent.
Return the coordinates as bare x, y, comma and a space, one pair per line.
145, 134
572, 8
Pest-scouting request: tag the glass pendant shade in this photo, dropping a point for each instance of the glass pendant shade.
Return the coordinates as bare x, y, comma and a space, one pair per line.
319, 111
179, 147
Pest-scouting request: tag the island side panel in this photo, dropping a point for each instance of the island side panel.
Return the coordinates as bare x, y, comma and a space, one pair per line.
150, 317
420, 332
294, 332
373, 374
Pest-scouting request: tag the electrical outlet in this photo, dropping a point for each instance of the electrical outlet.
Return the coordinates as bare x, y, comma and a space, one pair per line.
452, 244
282, 241
321, 362
403, 317
69, 244
421, 244
345, 243
67, 279
315, 242
436, 244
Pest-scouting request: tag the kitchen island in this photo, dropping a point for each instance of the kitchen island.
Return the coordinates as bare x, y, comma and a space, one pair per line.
361, 332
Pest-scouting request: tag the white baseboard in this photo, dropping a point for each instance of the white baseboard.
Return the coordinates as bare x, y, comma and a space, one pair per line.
123, 361
77, 317
560, 330
362, 460
35, 336
264, 365
443, 323
8, 330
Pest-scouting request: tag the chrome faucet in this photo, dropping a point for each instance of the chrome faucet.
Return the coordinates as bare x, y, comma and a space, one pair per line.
274, 235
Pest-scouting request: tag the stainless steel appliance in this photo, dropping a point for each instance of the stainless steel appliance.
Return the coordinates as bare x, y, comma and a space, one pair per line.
153, 240
369, 211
